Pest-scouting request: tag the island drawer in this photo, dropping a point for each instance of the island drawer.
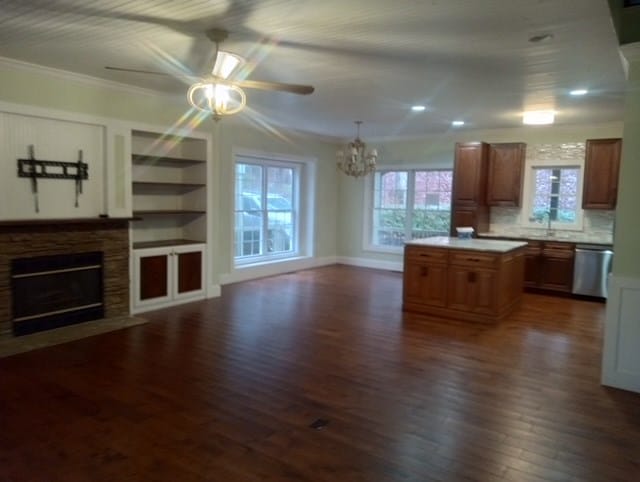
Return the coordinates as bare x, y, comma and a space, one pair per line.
473, 259
419, 253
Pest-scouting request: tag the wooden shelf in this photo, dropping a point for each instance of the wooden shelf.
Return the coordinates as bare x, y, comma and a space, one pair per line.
168, 212
164, 243
164, 161
168, 184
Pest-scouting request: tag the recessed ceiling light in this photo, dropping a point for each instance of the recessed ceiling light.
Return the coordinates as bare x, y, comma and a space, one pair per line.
538, 117
579, 92
418, 108
457, 123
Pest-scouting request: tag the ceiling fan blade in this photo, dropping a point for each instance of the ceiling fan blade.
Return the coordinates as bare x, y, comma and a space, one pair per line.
259, 84
135, 71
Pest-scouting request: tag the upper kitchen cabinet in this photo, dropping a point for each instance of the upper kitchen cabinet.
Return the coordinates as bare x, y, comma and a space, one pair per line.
602, 165
469, 200
506, 174
470, 174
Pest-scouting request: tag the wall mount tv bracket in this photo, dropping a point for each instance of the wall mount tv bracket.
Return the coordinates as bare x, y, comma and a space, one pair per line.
33, 169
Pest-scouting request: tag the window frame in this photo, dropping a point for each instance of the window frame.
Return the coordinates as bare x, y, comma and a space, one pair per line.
369, 204
265, 161
527, 208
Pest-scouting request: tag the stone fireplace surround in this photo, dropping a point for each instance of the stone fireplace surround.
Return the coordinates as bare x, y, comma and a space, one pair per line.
28, 238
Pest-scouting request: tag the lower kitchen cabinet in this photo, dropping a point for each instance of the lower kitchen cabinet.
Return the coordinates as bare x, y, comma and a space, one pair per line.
466, 284
472, 289
425, 277
167, 275
549, 266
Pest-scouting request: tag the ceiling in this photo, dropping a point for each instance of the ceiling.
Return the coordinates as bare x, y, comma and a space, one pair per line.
368, 60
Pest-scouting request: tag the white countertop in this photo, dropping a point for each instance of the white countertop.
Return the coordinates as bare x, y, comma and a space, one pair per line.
497, 246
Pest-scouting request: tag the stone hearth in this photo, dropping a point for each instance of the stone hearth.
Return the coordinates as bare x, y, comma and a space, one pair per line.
23, 239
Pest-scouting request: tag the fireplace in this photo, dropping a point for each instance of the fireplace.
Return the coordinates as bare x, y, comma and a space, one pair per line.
53, 291
59, 272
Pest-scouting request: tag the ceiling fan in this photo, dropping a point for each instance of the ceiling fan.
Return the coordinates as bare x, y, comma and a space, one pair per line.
218, 93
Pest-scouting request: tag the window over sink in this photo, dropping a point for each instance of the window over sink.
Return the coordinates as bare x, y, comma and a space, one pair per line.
554, 200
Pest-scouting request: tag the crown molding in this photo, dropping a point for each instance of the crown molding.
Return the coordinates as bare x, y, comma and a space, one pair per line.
19, 65
629, 53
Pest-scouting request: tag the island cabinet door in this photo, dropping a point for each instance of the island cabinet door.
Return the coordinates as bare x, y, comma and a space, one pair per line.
472, 290
425, 284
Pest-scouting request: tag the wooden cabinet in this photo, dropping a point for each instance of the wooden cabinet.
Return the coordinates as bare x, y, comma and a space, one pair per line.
601, 169
557, 266
549, 266
469, 207
167, 275
425, 276
463, 284
532, 264
505, 174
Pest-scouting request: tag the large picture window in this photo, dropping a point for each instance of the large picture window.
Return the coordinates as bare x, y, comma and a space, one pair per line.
410, 204
266, 207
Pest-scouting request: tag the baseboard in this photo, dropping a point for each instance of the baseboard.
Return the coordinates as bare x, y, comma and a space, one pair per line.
371, 263
271, 269
213, 291
621, 351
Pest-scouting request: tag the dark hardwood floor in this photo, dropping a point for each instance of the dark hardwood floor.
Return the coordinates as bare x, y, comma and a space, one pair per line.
226, 390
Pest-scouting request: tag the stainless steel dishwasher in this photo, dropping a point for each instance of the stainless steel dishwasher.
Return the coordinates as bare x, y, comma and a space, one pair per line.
592, 265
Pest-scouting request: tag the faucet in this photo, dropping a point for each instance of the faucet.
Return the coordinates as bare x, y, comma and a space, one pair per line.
550, 232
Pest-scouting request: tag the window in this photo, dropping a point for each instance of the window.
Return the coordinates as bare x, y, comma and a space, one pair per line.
410, 204
265, 209
555, 195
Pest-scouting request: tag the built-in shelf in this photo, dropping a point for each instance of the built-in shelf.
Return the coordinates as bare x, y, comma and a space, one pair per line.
165, 161
165, 243
169, 195
168, 212
168, 184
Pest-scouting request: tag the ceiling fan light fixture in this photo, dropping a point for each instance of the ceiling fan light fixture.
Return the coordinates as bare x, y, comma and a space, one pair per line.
225, 64
217, 99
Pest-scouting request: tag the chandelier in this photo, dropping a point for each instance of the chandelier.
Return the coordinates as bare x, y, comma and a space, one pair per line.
214, 94
355, 160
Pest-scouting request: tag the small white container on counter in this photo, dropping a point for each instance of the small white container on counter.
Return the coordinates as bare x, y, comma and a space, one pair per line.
465, 232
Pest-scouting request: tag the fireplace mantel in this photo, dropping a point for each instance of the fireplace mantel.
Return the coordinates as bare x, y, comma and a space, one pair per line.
46, 222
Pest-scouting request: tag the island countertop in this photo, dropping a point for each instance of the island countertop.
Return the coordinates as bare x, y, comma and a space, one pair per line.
495, 246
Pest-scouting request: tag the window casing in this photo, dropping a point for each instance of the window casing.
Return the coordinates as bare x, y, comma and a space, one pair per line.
408, 204
266, 210
555, 197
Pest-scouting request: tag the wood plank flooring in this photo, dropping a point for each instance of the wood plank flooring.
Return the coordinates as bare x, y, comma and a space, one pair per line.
226, 390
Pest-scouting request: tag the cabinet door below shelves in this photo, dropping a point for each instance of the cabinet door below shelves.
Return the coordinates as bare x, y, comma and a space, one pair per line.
189, 271
167, 275
153, 276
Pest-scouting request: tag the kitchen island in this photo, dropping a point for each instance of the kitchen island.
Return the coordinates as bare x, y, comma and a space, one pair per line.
468, 279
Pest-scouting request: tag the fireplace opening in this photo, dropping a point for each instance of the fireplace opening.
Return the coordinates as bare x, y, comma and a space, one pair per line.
53, 291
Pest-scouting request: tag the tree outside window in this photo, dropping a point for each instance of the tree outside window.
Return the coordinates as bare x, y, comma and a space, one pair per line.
410, 204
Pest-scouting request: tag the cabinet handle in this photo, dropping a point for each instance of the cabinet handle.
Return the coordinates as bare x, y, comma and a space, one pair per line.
474, 260
424, 271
